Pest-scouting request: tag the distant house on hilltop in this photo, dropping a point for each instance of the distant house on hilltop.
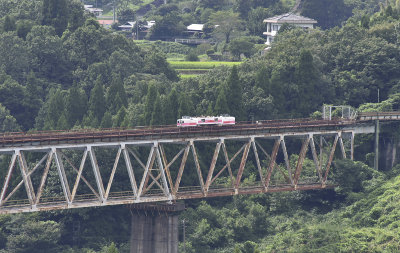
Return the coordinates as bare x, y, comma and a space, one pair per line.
128, 26
275, 23
96, 11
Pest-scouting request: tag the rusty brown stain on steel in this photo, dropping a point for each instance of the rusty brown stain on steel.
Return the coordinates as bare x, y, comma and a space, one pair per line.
257, 160
25, 178
300, 161
167, 130
79, 175
328, 166
228, 164
168, 165
272, 162
198, 169
212, 166
269, 157
114, 169
44, 176
8, 178
342, 147
242, 164
181, 168
315, 158
127, 199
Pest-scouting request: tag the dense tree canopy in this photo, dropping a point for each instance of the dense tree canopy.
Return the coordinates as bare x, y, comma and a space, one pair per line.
59, 69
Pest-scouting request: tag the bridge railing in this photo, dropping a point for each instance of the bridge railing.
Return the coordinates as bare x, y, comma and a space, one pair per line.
156, 131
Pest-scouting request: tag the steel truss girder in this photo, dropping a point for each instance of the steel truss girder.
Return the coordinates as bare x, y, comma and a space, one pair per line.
160, 179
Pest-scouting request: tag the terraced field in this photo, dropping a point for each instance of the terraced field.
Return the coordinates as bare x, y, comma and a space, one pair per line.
188, 69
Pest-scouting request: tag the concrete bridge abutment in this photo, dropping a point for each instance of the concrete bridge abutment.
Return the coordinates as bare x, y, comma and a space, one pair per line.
154, 227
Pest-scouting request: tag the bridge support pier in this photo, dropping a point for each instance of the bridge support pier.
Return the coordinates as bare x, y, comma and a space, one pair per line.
376, 160
154, 227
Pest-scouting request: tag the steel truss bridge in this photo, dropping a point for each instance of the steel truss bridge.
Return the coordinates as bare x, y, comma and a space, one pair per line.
73, 169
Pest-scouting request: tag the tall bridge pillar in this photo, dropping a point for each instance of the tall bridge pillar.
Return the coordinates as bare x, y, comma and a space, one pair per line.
154, 227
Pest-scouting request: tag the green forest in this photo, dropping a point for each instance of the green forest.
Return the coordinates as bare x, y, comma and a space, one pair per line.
60, 69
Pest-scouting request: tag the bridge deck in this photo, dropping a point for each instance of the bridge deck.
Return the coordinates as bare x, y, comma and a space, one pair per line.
34, 139
159, 179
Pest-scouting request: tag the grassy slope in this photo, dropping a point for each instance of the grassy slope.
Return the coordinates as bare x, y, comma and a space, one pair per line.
371, 224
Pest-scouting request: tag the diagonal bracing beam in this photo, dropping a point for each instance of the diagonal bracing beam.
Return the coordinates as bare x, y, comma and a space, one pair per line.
253, 144
110, 181
242, 165
302, 155
150, 161
196, 162
328, 165
165, 187
129, 168
27, 181
212, 166
272, 162
97, 175
79, 175
62, 175
181, 169
8, 177
44, 176
315, 158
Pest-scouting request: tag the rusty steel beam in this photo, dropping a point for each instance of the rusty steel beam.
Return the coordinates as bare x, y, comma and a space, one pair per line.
212, 166
269, 158
272, 162
166, 165
97, 175
44, 176
165, 187
342, 146
328, 166
114, 169
12, 164
8, 178
79, 174
181, 168
300, 161
157, 182
196, 162
228, 164
129, 168
315, 158
260, 173
28, 183
242, 164
149, 163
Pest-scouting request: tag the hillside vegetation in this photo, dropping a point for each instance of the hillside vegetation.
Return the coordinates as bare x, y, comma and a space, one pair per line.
59, 69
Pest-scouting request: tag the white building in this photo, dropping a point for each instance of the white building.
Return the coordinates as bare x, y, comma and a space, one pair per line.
128, 26
275, 23
96, 11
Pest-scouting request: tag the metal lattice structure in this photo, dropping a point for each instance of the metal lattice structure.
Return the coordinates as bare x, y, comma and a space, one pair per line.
161, 165
60, 170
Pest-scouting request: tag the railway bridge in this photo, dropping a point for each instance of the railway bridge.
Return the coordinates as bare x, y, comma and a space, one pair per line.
61, 169
85, 168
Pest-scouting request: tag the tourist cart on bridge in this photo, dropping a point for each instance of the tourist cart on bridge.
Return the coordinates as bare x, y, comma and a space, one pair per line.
187, 121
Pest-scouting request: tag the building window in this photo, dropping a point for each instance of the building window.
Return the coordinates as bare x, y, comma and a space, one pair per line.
275, 28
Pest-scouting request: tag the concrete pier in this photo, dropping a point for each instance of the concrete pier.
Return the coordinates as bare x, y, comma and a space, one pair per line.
154, 227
